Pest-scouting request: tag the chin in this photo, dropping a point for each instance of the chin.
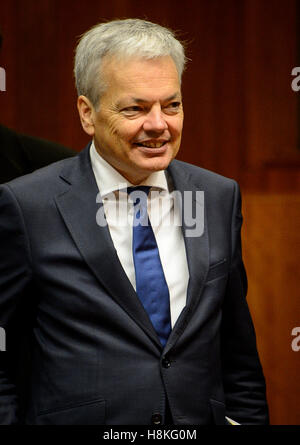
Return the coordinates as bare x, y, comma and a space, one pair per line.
157, 163
154, 167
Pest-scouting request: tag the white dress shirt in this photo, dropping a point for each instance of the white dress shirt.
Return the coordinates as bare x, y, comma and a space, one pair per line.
112, 187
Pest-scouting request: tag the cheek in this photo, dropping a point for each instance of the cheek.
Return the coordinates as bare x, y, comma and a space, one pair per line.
108, 125
179, 124
129, 130
175, 126
113, 127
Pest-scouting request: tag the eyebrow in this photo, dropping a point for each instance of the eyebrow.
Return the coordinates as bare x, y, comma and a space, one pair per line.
140, 100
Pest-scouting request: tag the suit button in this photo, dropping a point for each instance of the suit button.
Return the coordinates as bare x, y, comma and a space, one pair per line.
166, 362
156, 419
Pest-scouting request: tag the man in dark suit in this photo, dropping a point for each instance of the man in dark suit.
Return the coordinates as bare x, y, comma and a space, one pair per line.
135, 318
21, 154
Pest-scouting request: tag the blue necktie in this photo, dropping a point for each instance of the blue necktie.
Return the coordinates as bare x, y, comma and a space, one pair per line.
151, 286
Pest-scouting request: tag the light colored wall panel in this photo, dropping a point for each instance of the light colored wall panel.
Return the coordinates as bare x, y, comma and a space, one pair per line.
271, 242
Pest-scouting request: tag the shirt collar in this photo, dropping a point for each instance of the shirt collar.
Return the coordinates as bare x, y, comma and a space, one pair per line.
109, 179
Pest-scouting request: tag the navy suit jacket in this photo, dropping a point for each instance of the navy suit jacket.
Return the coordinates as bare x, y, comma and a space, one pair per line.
96, 358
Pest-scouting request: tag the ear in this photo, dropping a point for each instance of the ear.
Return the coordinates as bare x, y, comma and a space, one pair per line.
86, 111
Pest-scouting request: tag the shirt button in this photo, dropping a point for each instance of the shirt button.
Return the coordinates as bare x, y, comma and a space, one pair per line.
166, 362
156, 419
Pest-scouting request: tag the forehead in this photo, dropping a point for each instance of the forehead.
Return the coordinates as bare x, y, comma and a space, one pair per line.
147, 77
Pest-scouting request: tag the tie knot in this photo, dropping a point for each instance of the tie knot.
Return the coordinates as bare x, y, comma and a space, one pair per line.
139, 188
139, 195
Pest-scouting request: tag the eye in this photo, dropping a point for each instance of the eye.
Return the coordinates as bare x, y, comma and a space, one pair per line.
173, 107
132, 111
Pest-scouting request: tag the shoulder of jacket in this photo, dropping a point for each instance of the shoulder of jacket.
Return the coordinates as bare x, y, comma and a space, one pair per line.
207, 176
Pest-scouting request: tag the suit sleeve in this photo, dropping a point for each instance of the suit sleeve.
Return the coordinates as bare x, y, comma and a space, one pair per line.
14, 277
243, 379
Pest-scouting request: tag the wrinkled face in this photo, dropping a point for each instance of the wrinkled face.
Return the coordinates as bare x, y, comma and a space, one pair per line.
138, 126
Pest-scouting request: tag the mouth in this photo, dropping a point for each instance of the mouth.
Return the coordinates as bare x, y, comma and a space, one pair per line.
152, 147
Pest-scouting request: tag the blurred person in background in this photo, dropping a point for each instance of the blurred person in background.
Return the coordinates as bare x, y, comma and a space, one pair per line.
21, 154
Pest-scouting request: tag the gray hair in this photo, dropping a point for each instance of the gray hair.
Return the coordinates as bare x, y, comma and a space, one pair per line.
121, 38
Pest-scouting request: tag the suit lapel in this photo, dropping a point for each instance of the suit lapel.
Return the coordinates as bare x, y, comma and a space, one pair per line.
197, 247
78, 208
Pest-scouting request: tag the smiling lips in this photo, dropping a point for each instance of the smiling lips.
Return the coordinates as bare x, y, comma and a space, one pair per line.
151, 144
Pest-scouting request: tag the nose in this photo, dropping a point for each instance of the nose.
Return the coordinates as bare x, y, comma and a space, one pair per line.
155, 121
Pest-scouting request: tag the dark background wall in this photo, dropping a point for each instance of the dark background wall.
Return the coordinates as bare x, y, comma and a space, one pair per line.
241, 120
